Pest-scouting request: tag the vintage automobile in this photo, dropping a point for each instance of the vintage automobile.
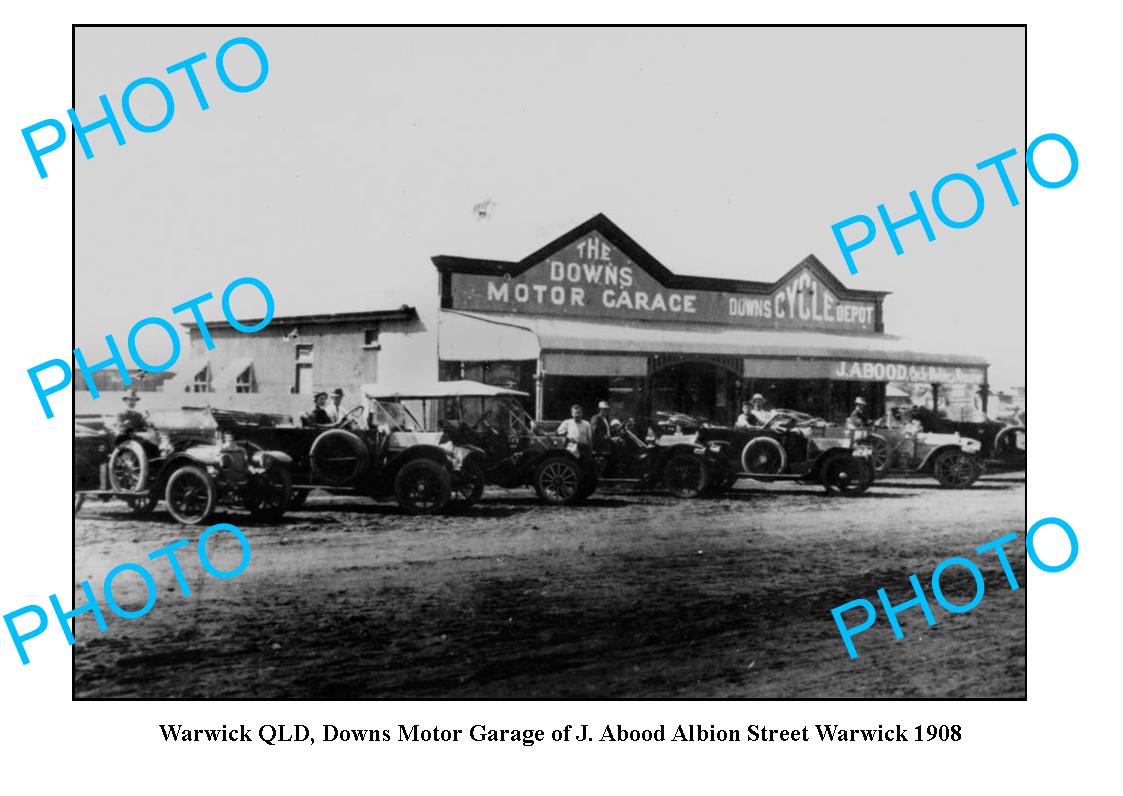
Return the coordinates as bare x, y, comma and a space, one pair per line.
187, 460
379, 450
507, 447
790, 447
951, 459
677, 462
1002, 444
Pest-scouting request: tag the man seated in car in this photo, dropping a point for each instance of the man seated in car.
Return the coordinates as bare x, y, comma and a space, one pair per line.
318, 416
753, 414
129, 420
602, 429
910, 427
857, 418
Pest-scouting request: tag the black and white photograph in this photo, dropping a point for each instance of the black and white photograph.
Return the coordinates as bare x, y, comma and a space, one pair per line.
551, 363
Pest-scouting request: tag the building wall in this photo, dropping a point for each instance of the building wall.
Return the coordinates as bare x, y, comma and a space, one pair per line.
339, 356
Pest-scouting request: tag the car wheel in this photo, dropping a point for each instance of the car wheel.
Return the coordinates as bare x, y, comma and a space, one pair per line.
589, 484
846, 475
128, 467
764, 456
469, 487
879, 453
955, 469
338, 457
143, 504
299, 496
270, 494
686, 475
423, 487
1010, 446
558, 481
190, 495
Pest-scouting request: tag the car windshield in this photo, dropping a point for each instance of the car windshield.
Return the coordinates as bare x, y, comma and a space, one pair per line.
393, 415
680, 419
503, 413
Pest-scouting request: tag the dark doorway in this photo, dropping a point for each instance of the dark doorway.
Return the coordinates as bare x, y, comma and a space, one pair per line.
698, 388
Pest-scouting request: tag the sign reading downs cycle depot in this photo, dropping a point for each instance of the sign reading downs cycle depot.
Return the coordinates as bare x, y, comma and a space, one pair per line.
592, 277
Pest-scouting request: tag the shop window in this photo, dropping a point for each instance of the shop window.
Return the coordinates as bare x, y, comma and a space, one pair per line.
202, 380
370, 338
245, 381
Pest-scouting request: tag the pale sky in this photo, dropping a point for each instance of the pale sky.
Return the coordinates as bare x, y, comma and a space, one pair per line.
724, 153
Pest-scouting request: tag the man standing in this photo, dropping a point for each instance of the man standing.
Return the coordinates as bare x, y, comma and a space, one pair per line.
858, 418
602, 429
318, 416
578, 431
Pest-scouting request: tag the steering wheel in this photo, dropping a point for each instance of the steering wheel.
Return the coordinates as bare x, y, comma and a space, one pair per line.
351, 417
482, 422
775, 421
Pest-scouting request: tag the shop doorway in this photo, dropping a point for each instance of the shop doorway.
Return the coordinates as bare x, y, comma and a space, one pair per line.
624, 395
706, 389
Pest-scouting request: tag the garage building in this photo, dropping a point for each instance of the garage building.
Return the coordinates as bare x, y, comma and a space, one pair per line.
593, 316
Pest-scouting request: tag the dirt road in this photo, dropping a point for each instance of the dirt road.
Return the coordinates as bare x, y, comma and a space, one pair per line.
632, 595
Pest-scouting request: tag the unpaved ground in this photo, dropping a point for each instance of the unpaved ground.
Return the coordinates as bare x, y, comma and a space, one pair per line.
633, 595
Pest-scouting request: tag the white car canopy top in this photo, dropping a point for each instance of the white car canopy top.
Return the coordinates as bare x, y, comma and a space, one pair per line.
437, 389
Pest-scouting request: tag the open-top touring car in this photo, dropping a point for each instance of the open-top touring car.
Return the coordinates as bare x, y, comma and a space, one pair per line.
506, 447
791, 446
1002, 445
377, 450
184, 458
949, 458
677, 462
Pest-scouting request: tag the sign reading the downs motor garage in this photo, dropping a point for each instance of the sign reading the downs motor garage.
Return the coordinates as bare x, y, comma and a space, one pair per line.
597, 271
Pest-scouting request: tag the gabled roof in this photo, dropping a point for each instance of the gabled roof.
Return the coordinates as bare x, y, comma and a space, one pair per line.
623, 242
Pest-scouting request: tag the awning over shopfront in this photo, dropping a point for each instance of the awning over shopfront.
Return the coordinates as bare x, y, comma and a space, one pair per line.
468, 338
585, 347
226, 379
186, 374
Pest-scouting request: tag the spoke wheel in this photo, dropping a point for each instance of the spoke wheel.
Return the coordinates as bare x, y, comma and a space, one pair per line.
686, 475
469, 485
763, 456
338, 457
143, 504
423, 487
128, 467
879, 453
270, 494
190, 495
847, 475
557, 481
1010, 446
955, 469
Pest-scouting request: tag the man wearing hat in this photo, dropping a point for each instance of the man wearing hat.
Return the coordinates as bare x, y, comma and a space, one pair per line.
318, 416
335, 408
858, 418
130, 420
753, 413
602, 429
